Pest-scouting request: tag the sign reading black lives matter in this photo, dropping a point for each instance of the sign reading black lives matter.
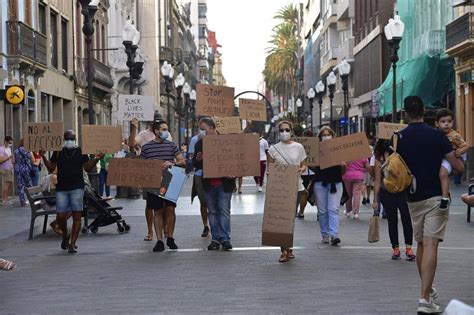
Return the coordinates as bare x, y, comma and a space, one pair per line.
135, 106
234, 155
214, 100
44, 136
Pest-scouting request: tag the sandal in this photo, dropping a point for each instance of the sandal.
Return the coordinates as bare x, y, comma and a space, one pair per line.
55, 227
284, 257
148, 238
300, 215
290, 254
7, 265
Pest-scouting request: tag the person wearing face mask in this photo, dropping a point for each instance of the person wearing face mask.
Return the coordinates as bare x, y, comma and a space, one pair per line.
70, 164
327, 189
6, 169
288, 152
164, 210
23, 166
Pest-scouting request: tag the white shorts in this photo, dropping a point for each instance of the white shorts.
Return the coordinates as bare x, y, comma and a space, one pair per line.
447, 166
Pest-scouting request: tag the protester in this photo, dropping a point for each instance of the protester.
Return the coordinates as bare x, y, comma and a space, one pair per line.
6, 169
263, 163
369, 178
238, 189
468, 199
164, 210
328, 192
198, 189
353, 181
218, 192
445, 123
23, 167
36, 169
104, 167
69, 164
423, 149
307, 176
288, 152
392, 203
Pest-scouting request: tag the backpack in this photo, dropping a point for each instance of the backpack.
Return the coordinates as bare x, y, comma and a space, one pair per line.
397, 175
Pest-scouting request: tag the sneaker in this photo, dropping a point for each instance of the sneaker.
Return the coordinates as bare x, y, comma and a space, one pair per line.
205, 232
170, 243
356, 216
65, 244
260, 189
410, 255
434, 296
396, 253
71, 249
226, 245
214, 246
159, 247
368, 201
325, 239
364, 201
428, 307
444, 204
335, 241
348, 214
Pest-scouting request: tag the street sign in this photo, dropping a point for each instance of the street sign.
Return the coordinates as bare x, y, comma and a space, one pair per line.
14, 94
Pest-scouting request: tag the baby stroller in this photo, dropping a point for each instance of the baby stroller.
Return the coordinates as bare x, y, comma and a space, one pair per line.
101, 211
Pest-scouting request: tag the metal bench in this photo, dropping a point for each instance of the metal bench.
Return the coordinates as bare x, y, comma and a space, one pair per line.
39, 207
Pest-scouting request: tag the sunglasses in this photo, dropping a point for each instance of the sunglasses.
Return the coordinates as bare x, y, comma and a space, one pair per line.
285, 130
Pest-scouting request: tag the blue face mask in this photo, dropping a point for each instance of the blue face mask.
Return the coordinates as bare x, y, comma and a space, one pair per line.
164, 135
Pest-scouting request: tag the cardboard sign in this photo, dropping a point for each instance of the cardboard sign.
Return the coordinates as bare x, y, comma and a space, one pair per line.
135, 173
255, 110
231, 155
344, 149
311, 146
101, 139
214, 100
386, 130
135, 106
172, 183
228, 125
280, 205
44, 136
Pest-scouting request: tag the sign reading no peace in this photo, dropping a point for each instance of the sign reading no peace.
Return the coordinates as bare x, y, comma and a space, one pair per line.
135, 173
214, 100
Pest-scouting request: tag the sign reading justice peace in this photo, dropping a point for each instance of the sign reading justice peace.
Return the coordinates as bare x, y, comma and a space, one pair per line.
214, 100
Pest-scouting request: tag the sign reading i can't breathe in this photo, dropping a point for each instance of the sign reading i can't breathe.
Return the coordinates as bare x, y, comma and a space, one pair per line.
344, 149
214, 100
44, 136
255, 110
135, 106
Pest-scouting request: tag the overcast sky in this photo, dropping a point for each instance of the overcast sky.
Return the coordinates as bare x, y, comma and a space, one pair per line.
243, 28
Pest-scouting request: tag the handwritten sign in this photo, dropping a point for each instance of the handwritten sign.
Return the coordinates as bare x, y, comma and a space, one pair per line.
101, 139
231, 155
44, 136
386, 130
344, 149
214, 100
255, 110
228, 125
280, 205
311, 146
135, 106
134, 173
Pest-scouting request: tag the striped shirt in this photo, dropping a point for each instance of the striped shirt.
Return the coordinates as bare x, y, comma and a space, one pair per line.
165, 151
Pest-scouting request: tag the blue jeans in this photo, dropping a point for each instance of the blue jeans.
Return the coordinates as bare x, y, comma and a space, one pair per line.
102, 180
328, 208
71, 200
35, 175
218, 206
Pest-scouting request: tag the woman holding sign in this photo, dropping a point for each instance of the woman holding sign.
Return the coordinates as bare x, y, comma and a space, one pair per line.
288, 152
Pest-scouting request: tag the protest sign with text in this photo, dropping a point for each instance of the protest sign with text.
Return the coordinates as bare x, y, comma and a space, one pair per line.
135, 106
279, 210
311, 146
231, 155
101, 139
135, 173
386, 129
44, 136
344, 149
214, 100
255, 110
228, 125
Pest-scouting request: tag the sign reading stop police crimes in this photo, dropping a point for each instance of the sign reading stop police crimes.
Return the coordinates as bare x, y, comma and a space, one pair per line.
214, 100
344, 149
135, 173
101, 139
135, 106
255, 110
231, 155
44, 136
14, 94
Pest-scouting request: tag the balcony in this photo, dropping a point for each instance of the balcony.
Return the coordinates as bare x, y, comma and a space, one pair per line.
102, 77
346, 50
166, 54
328, 61
343, 10
460, 35
25, 45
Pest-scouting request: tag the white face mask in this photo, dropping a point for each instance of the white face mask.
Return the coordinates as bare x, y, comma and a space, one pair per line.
69, 144
202, 132
10, 145
285, 136
324, 138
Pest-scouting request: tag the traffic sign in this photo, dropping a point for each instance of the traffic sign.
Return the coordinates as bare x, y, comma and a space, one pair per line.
14, 94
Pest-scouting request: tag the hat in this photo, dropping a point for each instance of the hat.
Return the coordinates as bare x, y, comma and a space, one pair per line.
157, 117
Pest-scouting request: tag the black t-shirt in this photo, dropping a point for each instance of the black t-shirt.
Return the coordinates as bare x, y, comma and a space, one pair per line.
69, 163
423, 148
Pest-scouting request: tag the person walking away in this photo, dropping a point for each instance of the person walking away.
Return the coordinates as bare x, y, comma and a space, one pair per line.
218, 192
104, 167
445, 123
164, 210
353, 181
393, 203
36, 169
7, 160
369, 178
288, 152
327, 190
23, 169
263, 164
423, 148
70, 163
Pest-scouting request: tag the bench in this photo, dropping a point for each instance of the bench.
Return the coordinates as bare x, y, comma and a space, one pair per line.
39, 207
470, 191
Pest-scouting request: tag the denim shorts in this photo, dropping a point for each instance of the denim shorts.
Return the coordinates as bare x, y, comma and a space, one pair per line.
72, 200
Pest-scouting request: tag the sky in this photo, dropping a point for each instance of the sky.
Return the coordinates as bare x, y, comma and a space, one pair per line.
243, 28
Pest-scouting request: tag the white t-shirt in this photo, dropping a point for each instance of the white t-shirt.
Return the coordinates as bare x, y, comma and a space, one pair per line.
263, 149
289, 154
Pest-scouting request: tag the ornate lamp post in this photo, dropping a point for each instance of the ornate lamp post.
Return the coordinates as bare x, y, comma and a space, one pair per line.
299, 104
394, 32
131, 37
320, 92
186, 92
192, 109
311, 95
167, 72
179, 83
331, 82
344, 70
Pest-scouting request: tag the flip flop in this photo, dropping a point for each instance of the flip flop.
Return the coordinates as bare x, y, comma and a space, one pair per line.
148, 238
7, 265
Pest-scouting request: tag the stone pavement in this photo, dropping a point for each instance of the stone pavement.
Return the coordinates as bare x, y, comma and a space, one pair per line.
118, 273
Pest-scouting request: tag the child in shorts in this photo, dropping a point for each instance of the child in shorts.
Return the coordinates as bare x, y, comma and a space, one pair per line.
445, 122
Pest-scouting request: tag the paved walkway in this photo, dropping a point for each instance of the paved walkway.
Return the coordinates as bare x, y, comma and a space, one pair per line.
118, 273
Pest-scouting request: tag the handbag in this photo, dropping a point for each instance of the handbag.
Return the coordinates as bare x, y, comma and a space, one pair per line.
374, 230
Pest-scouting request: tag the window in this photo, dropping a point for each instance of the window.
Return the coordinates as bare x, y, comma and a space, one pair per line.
42, 18
202, 10
54, 39
79, 53
202, 31
64, 44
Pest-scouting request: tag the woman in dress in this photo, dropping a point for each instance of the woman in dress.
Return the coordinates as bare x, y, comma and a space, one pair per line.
23, 166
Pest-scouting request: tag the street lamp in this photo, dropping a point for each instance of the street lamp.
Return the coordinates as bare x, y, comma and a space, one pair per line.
331, 82
320, 92
344, 70
186, 92
131, 37
192, 98
179, 83
89, 8
167, 72
394, 32
311, 95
